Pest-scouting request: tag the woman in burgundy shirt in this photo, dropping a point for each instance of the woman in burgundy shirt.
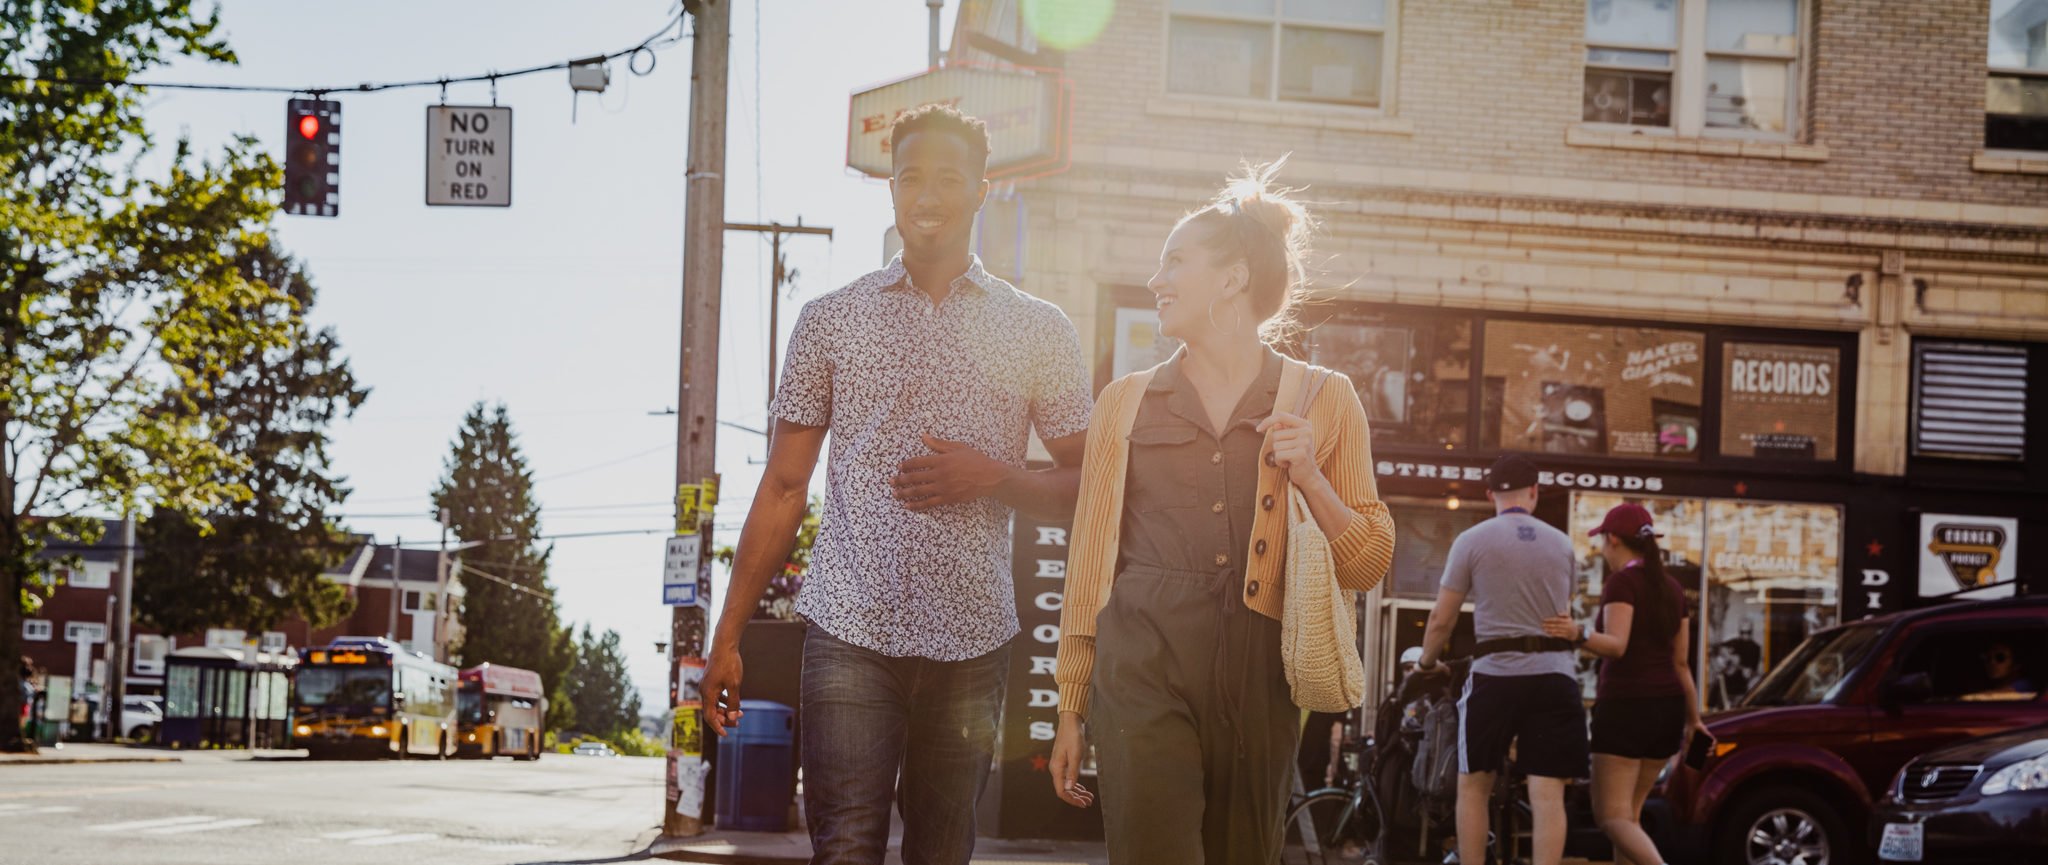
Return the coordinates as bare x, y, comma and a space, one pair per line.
1646, 704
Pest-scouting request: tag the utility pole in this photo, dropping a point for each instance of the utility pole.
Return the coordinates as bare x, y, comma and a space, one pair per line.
397, 591
932, 53
782, 276
684, 811
116, 697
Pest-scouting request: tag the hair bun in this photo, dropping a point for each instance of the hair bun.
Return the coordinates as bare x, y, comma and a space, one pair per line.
1254, 191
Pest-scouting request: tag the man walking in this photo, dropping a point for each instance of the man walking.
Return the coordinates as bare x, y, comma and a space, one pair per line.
930, 375
1522, 689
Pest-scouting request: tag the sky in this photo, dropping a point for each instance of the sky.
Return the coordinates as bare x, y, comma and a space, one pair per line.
567, 305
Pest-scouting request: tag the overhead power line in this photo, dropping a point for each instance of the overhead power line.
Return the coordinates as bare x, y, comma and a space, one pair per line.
670, 33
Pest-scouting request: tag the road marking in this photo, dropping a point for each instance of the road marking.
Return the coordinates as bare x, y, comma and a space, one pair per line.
6, 808
231, 823
47, 809
353, 834
148, 824
394, 839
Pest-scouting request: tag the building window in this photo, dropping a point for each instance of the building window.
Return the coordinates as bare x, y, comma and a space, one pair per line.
1780, 401
2016, 92
1595, 390
1694, 65
224, 638
1336, 52
1969, 400
150, 650
414, 601
1413, 372
37, 630
92, 575
85, 632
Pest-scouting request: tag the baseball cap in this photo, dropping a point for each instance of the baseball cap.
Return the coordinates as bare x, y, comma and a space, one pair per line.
1629, 520
1510, 472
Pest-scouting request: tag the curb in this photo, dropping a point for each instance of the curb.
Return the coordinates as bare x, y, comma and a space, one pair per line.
69, 761
676, 849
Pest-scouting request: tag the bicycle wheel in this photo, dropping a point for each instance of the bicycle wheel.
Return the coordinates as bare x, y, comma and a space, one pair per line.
1335, 825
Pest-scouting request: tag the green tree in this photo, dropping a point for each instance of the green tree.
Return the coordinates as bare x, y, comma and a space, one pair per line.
114, 289
778, 601
509, 615
260, 560
600, 688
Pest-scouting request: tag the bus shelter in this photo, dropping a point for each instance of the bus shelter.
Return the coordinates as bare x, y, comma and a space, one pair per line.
218, 697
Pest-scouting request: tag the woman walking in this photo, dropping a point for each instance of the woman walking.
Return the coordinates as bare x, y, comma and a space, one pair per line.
1170, 635
1645, 705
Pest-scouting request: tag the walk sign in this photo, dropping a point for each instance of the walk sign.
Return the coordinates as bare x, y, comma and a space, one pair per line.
679, 570
469, 156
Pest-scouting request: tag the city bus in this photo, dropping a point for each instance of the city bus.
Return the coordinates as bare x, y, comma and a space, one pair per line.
499, 711
370, 696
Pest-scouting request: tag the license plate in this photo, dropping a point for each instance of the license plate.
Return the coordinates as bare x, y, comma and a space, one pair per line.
1901, 842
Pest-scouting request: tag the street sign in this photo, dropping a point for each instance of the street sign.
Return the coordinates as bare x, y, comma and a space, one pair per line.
679, 570
469, 156
1026, 115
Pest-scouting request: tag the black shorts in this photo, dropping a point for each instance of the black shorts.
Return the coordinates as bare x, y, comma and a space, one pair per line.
1543, 715
1640, 728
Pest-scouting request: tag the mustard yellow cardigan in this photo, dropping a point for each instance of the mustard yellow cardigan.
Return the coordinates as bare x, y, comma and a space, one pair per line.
1363, 551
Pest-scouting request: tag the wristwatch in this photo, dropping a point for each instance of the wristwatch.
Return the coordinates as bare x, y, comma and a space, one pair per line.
1581, 640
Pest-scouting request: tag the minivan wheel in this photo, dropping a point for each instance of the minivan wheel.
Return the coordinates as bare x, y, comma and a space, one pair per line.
1784, 827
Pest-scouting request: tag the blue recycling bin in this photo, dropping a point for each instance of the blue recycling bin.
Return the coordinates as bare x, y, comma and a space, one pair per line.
757, 769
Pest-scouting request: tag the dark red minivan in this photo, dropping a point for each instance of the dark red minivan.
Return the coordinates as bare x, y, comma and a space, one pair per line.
1798, 765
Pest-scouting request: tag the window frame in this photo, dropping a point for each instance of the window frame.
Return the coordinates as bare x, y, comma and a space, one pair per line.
151, 666
1689, 66
1390, 54
1995, 71
48, 629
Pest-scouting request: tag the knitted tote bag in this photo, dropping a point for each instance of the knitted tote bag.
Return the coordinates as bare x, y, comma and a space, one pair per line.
1318, 624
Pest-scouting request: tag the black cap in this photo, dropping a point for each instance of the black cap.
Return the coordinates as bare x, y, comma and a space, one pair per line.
1510, 472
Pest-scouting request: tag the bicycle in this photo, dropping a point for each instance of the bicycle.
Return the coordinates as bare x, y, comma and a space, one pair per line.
1345, 819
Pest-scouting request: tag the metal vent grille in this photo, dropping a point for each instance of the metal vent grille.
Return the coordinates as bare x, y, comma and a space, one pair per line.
1930, 782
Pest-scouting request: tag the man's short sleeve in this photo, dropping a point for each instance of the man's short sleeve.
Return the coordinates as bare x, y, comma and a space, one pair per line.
1060, 399
804, 393
1458, 566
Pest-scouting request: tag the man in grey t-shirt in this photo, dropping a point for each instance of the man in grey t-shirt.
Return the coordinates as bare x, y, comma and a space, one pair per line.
1517, 571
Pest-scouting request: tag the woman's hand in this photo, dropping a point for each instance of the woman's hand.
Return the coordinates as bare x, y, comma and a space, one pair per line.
1562, 627
1067, 750
1294, 448
1694, 726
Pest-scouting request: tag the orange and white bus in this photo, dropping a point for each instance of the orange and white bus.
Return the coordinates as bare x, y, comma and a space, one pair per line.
500, 711
372, 696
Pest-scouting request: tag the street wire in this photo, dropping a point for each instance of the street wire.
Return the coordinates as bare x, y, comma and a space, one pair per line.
660, 39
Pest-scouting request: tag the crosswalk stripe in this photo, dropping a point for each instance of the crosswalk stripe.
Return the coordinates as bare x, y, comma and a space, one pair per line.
51, 809
394, 839
148, 824
231, 823
353, 834
4, 808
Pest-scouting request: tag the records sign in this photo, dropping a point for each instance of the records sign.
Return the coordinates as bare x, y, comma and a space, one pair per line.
1779, 401
1968, 556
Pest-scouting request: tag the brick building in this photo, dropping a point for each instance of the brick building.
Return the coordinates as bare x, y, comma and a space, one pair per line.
67, 637
1778, 269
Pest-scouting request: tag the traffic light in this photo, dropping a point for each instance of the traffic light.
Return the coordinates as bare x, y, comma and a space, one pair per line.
312, 158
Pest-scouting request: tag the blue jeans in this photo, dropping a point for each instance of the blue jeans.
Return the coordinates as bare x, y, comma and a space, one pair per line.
913, 729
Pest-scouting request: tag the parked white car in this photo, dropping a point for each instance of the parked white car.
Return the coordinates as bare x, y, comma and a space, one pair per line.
594, 749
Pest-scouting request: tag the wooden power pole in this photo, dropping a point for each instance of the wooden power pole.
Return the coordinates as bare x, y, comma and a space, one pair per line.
685, 810
782, 275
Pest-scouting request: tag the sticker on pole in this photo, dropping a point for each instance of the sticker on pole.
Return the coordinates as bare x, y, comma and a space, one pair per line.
469, 156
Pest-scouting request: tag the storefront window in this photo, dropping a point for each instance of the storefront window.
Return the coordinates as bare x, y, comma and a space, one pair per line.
1139, 344
1773, 576
1779, 401
1603, 391
1413, 372
1422, 544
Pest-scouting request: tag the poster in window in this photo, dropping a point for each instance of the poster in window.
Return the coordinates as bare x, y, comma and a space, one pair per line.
1139, 344
1780, 401
1611, 391
1412, 372
1774, 572
1681, 519
1965, 556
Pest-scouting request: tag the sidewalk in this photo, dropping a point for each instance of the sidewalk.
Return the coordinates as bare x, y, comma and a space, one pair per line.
89, 752
794, 848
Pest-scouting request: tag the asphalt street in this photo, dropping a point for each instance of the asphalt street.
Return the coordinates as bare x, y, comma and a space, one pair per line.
226, 809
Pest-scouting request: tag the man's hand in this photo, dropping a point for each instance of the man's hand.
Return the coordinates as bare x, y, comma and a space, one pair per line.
953, 473
721, 689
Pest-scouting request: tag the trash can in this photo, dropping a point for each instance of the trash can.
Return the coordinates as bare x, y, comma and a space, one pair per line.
757, 769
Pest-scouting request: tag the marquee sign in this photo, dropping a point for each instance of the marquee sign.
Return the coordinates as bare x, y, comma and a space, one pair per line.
1026, 113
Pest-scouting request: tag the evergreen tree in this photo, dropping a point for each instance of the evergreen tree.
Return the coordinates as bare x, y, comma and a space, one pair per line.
509, 615
115, 289
259, 560
600, 688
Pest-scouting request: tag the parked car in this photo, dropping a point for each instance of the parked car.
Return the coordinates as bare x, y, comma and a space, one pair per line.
594, 749
1797, 767
141, 716
1979, 801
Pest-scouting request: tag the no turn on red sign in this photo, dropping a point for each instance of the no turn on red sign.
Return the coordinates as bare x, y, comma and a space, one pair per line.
469, 156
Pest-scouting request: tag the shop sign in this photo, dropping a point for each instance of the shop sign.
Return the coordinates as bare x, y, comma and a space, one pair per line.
1566, 479
1023, 112
1973, 555
1606, 391
1779, 401
1026, 806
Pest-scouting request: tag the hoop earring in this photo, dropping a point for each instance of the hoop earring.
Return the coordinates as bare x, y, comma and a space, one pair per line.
1236, 318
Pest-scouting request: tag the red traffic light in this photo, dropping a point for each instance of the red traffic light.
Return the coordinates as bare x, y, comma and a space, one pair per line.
309, 126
